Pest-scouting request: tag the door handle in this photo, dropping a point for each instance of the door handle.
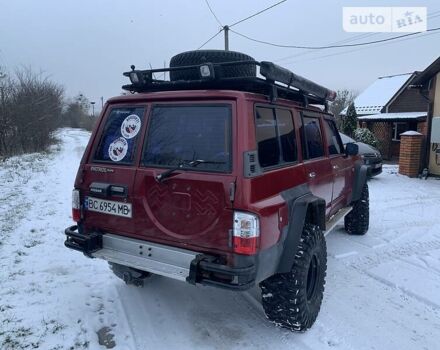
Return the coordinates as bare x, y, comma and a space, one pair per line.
312, 174
335, 167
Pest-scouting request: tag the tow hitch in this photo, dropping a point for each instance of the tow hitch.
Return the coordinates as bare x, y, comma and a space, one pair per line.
130, 275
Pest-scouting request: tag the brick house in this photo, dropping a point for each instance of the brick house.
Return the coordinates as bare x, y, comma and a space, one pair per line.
427, 84
389, 107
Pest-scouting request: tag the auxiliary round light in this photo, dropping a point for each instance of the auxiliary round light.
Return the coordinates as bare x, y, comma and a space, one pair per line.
134, 78
205, 71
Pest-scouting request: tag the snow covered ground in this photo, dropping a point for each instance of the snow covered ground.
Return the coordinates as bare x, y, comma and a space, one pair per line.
382, 292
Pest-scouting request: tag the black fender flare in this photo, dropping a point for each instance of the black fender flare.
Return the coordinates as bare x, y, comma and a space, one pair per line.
301, 203
360, 178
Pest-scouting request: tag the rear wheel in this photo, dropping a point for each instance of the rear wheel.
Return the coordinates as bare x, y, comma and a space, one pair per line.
358, 220
130, 275
197, 57
292, 300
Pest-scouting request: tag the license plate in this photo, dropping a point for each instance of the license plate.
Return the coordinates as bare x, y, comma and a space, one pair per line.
108, 207
378, 165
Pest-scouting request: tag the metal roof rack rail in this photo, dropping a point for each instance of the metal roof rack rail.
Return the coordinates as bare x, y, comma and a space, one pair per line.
277, 82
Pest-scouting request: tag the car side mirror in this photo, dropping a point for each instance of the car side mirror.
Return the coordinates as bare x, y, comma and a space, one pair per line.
351, 149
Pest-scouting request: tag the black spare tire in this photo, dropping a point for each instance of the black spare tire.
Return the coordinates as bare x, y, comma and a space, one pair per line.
197, 57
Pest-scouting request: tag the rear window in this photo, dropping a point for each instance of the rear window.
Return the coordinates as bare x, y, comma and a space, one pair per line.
180, 134
120, 135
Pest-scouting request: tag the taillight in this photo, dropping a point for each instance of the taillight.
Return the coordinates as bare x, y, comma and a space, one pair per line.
246, 233
76, 206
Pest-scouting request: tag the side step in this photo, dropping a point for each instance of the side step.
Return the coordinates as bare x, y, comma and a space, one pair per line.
334, 220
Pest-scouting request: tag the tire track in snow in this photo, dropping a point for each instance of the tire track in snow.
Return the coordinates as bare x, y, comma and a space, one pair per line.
128, 323
380, 256
407, 291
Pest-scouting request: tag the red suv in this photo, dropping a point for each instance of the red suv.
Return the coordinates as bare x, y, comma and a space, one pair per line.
220, 177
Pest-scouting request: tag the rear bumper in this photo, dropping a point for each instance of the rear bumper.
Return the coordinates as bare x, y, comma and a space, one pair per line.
82, 243
176, 263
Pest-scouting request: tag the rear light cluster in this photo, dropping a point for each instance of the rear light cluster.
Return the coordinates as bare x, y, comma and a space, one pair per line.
76, 206
246, 233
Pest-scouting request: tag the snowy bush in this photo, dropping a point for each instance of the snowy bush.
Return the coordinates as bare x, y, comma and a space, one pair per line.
366, 136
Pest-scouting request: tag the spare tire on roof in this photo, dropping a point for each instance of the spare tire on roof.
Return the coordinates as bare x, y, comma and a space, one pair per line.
197, 57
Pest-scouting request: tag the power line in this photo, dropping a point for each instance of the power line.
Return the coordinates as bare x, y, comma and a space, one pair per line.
226, 27
257, 13
332, 46
359, 49
207, 41
307, 52
432, 15
210, 9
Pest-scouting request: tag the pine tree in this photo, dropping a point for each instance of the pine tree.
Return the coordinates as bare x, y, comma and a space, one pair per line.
349, 122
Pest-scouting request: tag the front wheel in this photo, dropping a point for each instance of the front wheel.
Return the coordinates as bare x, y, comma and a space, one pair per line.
292, 300
357, 221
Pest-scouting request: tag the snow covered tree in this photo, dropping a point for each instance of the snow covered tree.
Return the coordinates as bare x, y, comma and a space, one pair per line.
366, 136
349, 121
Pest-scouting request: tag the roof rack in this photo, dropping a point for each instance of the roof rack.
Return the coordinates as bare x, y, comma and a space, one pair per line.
277, 82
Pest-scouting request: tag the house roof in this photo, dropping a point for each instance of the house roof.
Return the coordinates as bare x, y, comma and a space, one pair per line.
375, 97
428, 73
395, 116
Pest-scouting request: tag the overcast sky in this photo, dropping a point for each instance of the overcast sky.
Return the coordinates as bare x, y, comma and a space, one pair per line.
86, 45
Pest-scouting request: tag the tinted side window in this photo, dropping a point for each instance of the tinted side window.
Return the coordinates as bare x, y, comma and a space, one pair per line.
334, 144
287, 135
275, 137
267, 140
119, 136
312, 131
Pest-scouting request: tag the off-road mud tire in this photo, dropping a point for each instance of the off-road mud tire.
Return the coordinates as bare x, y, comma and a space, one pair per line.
197, 57
292, 300
357, 221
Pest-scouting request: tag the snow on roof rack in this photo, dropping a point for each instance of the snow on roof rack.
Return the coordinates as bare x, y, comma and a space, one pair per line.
294, 86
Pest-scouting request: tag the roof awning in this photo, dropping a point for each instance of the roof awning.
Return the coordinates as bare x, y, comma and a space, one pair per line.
395, 116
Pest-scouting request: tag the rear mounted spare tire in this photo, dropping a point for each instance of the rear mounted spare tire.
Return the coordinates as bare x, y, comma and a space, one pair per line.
197, 57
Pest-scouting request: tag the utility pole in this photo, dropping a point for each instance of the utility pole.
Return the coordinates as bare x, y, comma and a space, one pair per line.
102, 102
226, 29
93, 108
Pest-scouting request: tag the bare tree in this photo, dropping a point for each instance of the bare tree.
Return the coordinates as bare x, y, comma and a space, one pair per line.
30, 111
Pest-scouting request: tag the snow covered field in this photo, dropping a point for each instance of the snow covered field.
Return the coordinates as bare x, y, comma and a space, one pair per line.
382, 291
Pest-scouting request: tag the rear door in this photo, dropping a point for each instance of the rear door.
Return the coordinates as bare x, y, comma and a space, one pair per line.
316, 163
109, 174
192, 207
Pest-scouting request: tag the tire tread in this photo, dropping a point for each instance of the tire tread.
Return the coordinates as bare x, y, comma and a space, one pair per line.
284, 296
